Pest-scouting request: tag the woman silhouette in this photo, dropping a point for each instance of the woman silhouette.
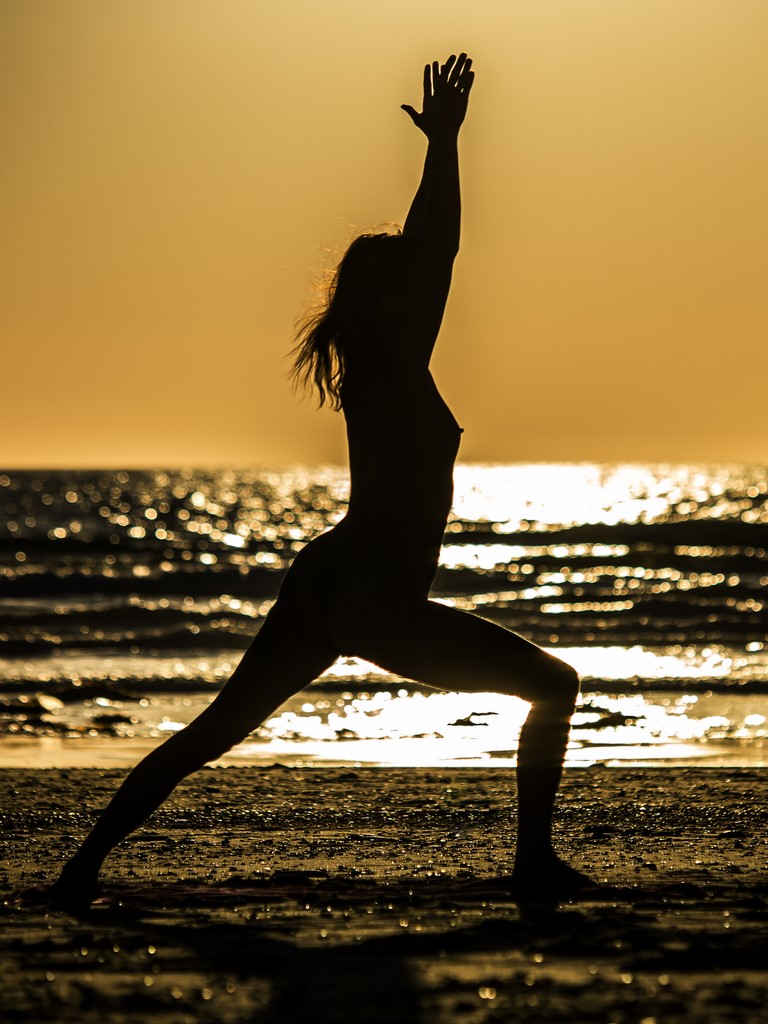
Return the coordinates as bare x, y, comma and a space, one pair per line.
362, 588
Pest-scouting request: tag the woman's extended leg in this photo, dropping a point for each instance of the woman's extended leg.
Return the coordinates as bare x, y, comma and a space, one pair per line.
451, 649
284, 658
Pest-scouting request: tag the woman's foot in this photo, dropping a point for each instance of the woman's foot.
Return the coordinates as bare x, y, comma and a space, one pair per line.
548, 878
75, 888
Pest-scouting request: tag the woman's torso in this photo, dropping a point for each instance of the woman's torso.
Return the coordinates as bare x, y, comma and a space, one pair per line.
403, 441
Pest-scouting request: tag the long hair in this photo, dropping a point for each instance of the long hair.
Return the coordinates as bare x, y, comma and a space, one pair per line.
322, 336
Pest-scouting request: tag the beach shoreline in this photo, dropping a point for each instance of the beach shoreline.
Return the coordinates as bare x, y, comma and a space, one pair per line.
373, 894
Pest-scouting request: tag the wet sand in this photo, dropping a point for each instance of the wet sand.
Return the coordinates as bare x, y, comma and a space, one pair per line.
372, 895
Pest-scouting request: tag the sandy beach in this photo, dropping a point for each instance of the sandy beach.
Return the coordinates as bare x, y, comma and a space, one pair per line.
374, 895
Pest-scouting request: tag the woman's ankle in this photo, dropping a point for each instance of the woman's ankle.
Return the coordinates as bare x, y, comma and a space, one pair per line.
534, 853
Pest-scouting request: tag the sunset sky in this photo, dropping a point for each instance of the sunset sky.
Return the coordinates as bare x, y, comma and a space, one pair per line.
175, 171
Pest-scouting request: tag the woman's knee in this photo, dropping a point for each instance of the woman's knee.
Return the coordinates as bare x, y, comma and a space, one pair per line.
222, 741
561, 685
548, 681
211, 735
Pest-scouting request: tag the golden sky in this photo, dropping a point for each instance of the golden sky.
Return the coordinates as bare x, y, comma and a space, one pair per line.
173, 172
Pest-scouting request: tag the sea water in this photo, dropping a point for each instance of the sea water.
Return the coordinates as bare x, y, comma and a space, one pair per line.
127, 598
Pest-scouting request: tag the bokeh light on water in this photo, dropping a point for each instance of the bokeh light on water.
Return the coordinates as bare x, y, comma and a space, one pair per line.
549, 494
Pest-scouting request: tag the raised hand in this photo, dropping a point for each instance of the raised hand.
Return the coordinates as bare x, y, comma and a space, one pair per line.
446, 94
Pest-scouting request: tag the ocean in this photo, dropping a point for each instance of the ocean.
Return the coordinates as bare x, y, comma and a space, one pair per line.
127, 597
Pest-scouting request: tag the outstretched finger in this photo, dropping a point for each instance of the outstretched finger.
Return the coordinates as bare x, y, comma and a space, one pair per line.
458, 69
427, 81
466, 82
445, 70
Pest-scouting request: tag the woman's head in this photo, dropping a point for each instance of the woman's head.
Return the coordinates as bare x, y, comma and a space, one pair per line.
374, 265
370, 266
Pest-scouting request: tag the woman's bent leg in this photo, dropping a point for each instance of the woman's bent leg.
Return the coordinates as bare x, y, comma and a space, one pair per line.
451, 649
282, 659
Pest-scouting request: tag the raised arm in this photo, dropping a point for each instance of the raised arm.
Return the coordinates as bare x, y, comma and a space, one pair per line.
435, 213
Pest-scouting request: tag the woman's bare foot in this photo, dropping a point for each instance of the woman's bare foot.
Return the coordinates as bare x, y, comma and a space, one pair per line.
75, 888
548, 878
